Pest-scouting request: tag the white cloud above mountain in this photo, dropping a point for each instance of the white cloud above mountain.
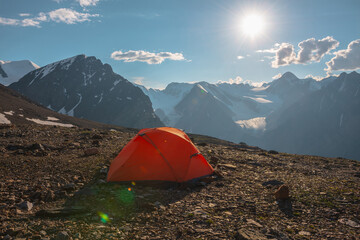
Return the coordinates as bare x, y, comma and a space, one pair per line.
310, 50
24, 14
240, 80
86, 3
61, 15
277, 76
70, 16
346, 59
144, 56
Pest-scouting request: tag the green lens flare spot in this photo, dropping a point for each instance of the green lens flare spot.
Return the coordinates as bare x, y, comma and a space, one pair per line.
103, 217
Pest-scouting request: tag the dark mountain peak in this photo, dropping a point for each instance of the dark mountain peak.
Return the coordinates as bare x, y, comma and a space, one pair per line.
3, 73
349, 76
354, 74
177, 89
84, 87
289, 76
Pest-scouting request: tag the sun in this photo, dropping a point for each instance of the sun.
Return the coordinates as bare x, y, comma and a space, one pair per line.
253, 25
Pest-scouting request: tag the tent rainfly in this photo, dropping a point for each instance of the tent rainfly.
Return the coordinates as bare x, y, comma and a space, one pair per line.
159, 154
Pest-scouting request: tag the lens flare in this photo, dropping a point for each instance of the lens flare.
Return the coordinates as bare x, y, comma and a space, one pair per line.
133, 183
103, 217
129, 189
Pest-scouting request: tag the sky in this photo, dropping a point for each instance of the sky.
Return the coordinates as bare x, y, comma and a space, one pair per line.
156, 42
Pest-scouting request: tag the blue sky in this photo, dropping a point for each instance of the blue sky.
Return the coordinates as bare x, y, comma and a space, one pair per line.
155, 42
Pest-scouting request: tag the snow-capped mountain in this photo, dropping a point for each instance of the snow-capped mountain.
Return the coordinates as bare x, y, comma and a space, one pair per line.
84, 87
200, 112
324, 122
12, 71
248, 105
278, 115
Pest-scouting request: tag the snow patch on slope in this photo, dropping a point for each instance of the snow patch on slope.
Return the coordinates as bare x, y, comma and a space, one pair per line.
3, 119
71, 112
42, 122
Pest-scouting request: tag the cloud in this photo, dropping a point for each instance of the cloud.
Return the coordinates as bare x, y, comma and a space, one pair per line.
9, 21
65, 15
347, 59
240, 57
86, 3
24, 14
28, 22
316, 78
284, 55
70, 16
310, 50
240, 80
138, 80
148, 57
277, 76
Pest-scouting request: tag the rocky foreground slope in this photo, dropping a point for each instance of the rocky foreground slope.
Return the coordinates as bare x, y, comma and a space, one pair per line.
52, 186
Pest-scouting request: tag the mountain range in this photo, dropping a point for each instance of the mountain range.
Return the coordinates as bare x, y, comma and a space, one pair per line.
289, 114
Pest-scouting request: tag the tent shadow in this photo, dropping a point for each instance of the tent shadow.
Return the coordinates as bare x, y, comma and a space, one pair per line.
99, 201
285, 205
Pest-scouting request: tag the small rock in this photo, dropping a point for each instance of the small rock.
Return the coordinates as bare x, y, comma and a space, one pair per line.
212, 205
199, 212
104, 170
50, 196
75, 144
42, 233
36, 146
62, 236
247, 234
273, 152
253, 222
26, 205
157, 204
272, 183
36, 237
7, 237
304, 233
77, 235
97, 136
282, 193
69, 187
101, 181
228, 213
228, 166
349, 222
91, 151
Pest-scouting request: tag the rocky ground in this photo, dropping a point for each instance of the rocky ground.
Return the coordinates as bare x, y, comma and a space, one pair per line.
52, 186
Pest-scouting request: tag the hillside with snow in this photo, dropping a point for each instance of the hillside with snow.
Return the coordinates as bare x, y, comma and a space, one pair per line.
84, 87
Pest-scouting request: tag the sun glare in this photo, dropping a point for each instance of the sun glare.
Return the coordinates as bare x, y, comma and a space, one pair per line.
253, 25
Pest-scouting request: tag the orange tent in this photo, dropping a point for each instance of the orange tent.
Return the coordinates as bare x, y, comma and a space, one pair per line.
165, 154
